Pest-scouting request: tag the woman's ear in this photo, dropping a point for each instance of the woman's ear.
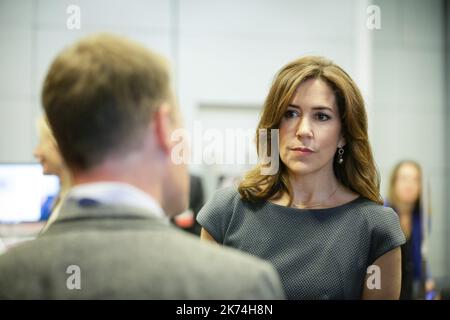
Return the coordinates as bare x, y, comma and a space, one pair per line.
342, 142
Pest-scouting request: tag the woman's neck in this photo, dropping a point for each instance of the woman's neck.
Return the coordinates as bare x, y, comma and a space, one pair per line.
404, 211
65, 181
404, 208
313, 188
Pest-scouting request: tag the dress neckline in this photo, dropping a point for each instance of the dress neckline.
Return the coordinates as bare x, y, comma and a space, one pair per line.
312, 210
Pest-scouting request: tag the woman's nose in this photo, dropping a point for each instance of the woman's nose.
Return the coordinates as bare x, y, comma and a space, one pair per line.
304, 128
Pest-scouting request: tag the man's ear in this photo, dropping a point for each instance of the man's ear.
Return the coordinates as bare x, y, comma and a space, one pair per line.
163, 127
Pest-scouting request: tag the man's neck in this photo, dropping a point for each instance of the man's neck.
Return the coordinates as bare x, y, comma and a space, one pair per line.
113, 172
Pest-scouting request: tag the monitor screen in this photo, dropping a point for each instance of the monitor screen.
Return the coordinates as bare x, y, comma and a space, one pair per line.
24, 190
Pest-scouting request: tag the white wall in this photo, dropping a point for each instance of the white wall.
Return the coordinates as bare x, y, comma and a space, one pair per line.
227, 52
447, 134
409, 107
223, 52
33, 32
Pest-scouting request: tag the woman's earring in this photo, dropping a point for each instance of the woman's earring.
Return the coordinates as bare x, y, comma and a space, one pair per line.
340, 159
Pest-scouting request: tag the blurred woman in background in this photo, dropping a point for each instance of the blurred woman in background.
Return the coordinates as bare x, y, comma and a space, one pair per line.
47, 152
405, 197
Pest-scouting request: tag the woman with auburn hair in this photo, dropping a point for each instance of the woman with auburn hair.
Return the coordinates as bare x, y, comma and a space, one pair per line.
319, 219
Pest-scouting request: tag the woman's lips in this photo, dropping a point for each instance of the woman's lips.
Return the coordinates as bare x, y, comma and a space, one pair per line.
302, 151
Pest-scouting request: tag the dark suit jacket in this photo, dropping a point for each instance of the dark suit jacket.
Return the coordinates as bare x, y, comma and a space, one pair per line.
126, 253
196, 202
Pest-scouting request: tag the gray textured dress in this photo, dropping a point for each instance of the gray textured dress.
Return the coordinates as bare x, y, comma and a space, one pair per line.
319, 253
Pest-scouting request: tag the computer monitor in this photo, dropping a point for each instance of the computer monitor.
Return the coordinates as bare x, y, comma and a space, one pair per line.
23, 191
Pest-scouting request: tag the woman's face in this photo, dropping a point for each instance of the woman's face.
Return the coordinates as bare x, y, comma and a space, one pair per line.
407, 184
47, 152
310, 129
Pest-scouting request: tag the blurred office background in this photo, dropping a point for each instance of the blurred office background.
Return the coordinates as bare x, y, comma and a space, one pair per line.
224, 55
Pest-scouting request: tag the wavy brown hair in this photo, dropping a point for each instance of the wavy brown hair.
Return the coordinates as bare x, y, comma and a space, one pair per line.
358, 172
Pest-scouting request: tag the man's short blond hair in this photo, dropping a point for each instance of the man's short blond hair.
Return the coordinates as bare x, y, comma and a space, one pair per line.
99, 96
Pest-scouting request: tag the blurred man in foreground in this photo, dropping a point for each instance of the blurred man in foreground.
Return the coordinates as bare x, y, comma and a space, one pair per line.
111, 109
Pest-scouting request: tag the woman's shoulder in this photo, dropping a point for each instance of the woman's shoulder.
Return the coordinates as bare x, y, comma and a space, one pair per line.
372, 207
217, 213
375, 214
226, 195
223, 202
383, 224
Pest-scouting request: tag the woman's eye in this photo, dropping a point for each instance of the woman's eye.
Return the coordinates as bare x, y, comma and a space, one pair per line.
323, 117
290, 114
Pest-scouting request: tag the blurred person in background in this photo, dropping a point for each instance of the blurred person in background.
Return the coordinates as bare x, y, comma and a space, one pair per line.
319, 219
187, 221
405, 197
48, 154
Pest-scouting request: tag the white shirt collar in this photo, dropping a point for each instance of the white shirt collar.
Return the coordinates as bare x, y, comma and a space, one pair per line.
116, 193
